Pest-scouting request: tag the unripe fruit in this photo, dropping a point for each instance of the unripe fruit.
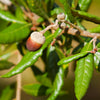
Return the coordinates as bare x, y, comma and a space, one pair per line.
35, 41
61, 16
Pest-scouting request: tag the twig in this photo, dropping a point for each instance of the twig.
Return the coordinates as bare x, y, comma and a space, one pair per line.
54, 27
31, 16
83, 33
78, 28
18, 90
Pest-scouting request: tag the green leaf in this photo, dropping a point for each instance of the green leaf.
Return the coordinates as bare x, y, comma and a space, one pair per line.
14, 33
37, 7
36, 89
9, 17
78, 48
67, 10
19, 14
50, 4
7, 93
57, 11
97, 60
31, 57
52, 59
83, 72
84, 4
44, 80
95, 30
71, 58
86, 16
5, 64
3, 24
58, 83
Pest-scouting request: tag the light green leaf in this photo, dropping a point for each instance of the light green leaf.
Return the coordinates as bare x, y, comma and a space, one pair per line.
36, 90
7, 93
84, 4
71, 58
14, 33
83, 72
9, 17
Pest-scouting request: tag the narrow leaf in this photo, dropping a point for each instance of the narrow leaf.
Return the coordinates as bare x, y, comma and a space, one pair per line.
5, 64
71, 58
58, 82
3, 24
36, 89
14, 33
7, 93
52, 59
83, 72
31, 57
86, 16
37, 7
9, 17
44, 80
84, 4
97, 60
67, 10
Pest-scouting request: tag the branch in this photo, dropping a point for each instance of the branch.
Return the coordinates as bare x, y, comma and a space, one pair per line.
73, 31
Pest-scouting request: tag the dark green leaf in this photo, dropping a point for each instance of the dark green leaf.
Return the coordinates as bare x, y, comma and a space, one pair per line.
36, 70
78, 48
36, 89
84, 4
86, 16
3, 24
14, 33
83, 72
5, 64
52, 59
67, 10
44, 80
7, 93
60, 54
50, 4
31, 57
71, 58
58, 82
37, 7
9, 17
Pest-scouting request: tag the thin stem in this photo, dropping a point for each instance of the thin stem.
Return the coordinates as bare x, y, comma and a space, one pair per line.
78, 28
54, 27
18, 90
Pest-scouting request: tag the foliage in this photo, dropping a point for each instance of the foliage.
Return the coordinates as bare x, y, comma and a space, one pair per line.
57, 52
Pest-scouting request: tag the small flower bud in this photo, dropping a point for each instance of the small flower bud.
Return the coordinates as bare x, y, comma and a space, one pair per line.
63, 25
61, 16
35, 41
